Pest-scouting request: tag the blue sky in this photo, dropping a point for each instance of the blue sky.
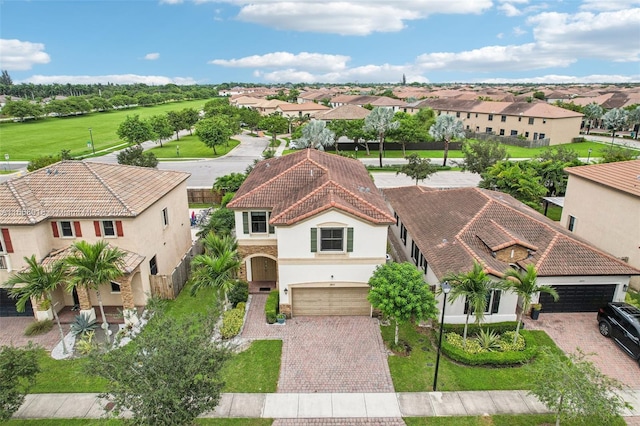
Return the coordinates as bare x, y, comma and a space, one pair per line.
267, 41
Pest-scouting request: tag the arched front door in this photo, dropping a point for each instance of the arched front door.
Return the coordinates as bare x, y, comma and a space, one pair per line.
264, 274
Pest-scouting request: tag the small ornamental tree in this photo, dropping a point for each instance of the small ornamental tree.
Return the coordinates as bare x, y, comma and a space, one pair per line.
400, 293
575, 389
171, 375
213, 131
418, 168
480, 155
18, 369
135, 156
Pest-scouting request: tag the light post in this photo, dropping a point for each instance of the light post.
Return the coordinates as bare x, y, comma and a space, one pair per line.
178, 150
6, 158
356, 152
93, 148
446, 288
589, 156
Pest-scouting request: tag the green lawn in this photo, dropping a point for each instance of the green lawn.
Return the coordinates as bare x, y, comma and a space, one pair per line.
113, 422
497, 420
554, 213
191, 147
415, 372
24, 141
255, 370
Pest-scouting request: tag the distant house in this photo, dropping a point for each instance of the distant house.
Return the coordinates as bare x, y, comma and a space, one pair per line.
306, 109
142, 211
446, 231
344, 112
532, 121
375, 101
602, 205
314, 226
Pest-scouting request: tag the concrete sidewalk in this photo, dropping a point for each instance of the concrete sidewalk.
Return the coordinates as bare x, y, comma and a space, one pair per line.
322, 405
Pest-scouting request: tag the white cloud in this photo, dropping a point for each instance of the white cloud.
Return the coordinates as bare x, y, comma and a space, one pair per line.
17, 55
312, 61
608, 5
499, 35
104, 79
517, 31
509, 9
565, 79
171, 1
152, 56
345, 17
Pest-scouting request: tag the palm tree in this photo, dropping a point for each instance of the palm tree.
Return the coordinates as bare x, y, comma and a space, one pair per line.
446, 128
93, 265
615, 119
315, 135
592, 112
215, 245
525, 286
38, 282
217, 272
475, 287
380, 121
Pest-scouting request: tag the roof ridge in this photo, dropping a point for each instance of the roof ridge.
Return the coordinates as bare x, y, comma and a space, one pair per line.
516, 239
475, 216
362, 200
547, 250
300, 201
20, 200
106, 185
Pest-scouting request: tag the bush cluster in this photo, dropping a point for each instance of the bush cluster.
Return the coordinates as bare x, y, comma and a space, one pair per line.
232, 322
38, 327
475, 355
271, 306
239, 293
498, 327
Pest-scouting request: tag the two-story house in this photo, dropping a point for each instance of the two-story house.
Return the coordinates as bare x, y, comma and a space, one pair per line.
446, 231
602, 205
142, 211
314, 226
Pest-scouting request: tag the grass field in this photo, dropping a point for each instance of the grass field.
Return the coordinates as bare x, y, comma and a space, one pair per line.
191, 147
24, 141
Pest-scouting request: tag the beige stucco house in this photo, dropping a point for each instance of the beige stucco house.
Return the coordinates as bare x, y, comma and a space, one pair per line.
532, 121
314, 226
142, 211
602, 205
446, 231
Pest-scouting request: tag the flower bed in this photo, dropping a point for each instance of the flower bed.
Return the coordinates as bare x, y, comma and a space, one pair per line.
500, 351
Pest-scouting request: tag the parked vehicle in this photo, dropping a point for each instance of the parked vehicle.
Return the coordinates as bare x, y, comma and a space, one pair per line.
621, 322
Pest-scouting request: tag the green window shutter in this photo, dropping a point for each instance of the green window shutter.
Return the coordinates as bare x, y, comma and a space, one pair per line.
349, 240
245, 222
272, 230
314, 240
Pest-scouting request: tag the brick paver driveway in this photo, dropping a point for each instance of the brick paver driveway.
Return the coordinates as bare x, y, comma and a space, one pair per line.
325, 354
574, 330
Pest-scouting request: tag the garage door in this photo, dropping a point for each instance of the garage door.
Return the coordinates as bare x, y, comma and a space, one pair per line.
331, 301
578, 298
8, 306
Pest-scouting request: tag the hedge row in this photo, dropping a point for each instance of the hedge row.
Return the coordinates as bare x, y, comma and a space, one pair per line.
498, 327
493, 358
271, 306
232, 321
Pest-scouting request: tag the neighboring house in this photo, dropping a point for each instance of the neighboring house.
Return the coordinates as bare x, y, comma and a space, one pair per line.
268, 107
602, 205
140, 210
362, 100
314, 226
445, 231
306, 109
344, 112
532, 121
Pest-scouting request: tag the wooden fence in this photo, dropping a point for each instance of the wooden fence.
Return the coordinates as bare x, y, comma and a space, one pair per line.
170, 286
203, 196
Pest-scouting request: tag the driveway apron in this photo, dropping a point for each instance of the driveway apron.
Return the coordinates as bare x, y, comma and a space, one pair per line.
580, 330
325, 354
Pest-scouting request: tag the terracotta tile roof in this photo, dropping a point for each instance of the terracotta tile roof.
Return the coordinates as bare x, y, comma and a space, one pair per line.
344, 112
307, 106
533, 109
130, 261
80, 189
305, 183
453, 228
623, 175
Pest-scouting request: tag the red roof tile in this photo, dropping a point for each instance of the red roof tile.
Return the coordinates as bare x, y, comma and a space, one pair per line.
623, 175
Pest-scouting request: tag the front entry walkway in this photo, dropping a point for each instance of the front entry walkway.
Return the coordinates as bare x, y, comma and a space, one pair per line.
325, 354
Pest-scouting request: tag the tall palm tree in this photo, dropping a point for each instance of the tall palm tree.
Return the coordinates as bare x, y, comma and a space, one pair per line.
215, 245
217, 272
380, 121
38, 283
446, 128
475, 287
91, 266
592, 112
524, 284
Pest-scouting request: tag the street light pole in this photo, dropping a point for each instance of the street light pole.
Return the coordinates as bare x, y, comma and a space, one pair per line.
589, 156
93, 148
356, 152
446, 288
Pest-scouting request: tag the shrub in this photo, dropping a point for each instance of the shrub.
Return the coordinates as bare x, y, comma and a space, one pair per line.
83, 325
86, 345
578, 139
488, 340
38, 327
232, 323
271, 306
451, 349
242, 306
498, 327
226, 198
238, 293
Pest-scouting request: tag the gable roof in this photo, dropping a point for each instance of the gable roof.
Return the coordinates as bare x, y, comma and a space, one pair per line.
344, 112
308, 182
307, 106
533, 109
622, 175
453, 228
80, 189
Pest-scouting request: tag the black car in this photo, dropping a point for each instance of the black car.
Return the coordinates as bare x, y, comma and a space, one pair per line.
621, 322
